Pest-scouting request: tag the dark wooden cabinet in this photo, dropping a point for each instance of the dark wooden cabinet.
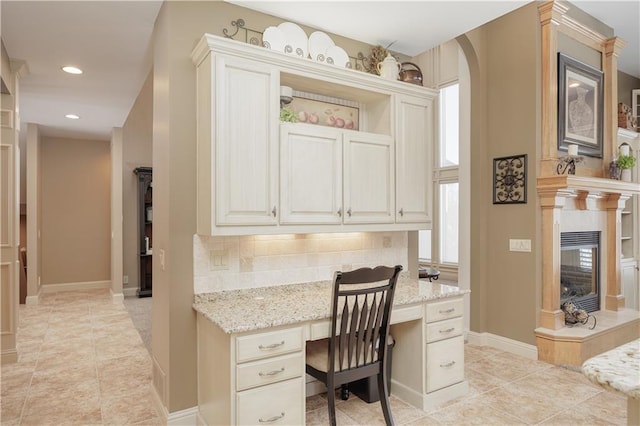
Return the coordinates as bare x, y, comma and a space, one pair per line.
145, 229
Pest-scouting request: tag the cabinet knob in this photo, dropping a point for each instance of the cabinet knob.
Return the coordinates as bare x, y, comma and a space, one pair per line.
401, 212
349, 212
340, 212
274, 211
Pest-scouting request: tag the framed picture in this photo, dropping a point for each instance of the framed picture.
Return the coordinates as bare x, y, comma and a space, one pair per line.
510, 180
580, 104
323, 113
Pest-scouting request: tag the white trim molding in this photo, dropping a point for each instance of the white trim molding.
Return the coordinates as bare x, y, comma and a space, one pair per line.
85, 285
503, 343
187, 417
130, 291
117, 297
32, 300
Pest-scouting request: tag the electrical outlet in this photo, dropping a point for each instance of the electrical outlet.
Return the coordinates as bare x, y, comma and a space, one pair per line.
386, 242
520, 245
125, 279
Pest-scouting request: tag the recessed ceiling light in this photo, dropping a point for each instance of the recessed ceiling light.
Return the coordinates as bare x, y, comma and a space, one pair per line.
72, 70
72, 116
576, 84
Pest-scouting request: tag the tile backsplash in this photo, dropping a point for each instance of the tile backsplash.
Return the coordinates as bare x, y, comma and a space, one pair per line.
228, 263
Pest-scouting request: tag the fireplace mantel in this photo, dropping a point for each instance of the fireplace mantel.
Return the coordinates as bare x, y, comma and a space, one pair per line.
592, 185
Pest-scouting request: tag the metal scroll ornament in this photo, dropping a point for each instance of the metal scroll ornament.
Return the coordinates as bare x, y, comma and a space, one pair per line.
250, 36
510, 174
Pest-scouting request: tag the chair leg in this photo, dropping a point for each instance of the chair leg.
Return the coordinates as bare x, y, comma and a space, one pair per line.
384, 398
331, 405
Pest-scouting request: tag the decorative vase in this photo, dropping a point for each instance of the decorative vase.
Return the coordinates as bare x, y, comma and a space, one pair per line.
625, 175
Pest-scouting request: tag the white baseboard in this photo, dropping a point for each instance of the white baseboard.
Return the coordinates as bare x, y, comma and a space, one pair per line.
160, 408
117, 297
130, 291
9, 356
86, 285
503, 343
32, 300
186, 417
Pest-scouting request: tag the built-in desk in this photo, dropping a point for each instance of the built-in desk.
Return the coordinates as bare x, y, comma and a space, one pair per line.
251, 348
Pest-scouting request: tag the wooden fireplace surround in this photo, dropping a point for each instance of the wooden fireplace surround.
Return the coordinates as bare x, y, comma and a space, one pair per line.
587, 191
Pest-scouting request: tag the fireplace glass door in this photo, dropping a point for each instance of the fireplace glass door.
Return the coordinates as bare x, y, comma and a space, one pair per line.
579, 269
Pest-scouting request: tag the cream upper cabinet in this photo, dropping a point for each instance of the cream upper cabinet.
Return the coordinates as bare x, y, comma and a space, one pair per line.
369, 184
310, 174
414, 147
259, 176
238, 109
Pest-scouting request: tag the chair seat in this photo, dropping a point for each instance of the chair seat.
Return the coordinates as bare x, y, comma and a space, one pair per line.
318, 358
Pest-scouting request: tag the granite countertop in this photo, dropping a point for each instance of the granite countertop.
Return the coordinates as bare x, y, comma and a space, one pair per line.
617, 369
235, 311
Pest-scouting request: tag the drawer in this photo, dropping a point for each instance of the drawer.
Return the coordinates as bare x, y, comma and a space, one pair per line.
444, 310
445, 363
277, 404
440, 330
268, 344
271, 370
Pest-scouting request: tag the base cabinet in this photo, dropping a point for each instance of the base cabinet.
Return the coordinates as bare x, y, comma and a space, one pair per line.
630, 284
277, 404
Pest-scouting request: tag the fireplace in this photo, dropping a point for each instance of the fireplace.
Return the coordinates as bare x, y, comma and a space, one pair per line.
580, 269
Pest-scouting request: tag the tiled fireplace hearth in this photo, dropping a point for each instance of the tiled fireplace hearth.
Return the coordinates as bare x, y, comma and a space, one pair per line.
583, 204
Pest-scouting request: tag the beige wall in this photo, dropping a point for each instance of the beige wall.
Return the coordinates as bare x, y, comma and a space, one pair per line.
178, 28
76, 213
626, 83
503, 59
137, 149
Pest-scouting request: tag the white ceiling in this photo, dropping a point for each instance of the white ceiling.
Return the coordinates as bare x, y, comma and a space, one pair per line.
110, 41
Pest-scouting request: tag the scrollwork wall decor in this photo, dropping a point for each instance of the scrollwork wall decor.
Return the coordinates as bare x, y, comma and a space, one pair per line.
510, 180
250, 36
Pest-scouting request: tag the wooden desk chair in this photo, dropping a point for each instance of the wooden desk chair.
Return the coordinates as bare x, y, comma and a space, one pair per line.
361, 308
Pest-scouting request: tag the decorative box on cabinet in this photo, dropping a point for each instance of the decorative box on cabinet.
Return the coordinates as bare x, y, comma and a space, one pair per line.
145, 229
241, 167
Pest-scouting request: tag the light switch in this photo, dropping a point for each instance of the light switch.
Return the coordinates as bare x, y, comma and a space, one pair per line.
520, 245
218, 260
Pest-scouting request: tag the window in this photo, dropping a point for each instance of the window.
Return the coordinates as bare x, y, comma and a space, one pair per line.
440, 247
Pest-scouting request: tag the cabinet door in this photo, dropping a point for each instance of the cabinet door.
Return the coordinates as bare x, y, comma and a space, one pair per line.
414, 147
246, 145
310, 174
369, 184
630, 284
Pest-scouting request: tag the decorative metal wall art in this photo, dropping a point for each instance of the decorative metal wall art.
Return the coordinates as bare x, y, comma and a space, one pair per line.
510, 180
250, 36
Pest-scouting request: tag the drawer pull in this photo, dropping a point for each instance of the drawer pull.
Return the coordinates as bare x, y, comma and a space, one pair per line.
449, 364
272, 346
448, 311
272, 419
448, 330
271, 373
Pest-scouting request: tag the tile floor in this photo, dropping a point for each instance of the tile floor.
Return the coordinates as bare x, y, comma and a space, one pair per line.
82, 362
